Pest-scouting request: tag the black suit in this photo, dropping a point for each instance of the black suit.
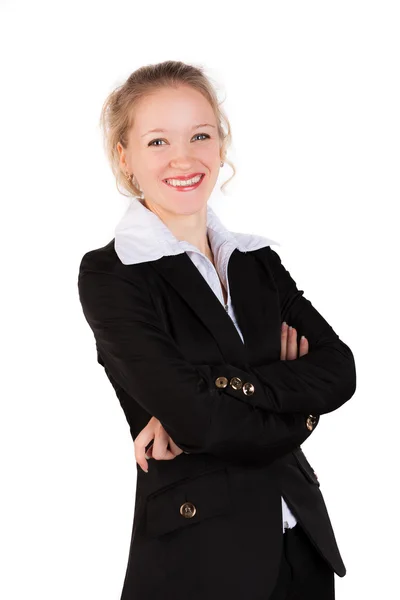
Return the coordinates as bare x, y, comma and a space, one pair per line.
208, 524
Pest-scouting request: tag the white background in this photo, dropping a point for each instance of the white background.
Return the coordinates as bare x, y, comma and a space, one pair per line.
312, 93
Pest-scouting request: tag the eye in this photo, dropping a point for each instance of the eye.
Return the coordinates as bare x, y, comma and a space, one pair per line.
204, 134
152, 143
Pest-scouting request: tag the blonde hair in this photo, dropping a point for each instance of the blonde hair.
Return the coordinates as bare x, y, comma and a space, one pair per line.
117, 112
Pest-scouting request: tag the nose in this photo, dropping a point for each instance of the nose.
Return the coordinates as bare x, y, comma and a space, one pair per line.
181, 163
181, 156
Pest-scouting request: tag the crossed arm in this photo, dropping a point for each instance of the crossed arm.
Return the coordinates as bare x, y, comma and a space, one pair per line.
153, 440
197, 414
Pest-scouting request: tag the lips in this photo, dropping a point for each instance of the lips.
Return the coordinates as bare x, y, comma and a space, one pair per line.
185, 188
183, 177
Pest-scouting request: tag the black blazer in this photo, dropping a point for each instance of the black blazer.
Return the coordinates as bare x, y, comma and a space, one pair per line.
208, 524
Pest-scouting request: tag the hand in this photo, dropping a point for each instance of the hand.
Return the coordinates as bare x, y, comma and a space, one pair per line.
163, 447
289, 343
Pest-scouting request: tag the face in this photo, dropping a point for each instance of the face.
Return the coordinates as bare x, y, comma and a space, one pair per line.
182, 150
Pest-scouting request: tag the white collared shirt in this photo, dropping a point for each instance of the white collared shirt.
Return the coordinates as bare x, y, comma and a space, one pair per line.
141, 236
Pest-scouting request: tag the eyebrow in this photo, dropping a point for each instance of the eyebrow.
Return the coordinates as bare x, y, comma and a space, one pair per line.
164, 130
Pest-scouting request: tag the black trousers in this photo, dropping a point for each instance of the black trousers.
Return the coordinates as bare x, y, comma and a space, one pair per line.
304, 574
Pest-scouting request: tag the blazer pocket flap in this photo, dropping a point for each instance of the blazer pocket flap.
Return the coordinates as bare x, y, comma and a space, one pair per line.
187, 502
305, 466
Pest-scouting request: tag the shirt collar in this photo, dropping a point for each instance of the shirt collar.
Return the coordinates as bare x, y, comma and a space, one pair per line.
141, 236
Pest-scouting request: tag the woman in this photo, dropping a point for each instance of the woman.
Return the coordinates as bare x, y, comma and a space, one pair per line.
189, 321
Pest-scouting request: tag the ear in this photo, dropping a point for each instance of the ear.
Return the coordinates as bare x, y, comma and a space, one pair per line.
122, 157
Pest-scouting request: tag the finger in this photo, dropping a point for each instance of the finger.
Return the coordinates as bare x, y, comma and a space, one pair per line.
291, 352
140, 443
174, 448
149, 450
160, 446
149, 429
304, 346
284, 334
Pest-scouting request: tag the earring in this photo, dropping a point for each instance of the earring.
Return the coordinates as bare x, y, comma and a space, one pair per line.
130, 178
222, 164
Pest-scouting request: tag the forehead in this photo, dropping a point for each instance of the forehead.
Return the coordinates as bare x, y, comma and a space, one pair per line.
172, 109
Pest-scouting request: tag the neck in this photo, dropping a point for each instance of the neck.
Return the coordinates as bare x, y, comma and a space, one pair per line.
188, 228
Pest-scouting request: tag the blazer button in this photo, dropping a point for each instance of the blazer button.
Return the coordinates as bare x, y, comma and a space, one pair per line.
236, 383
221, 382
188, 510
248, 389
311, 420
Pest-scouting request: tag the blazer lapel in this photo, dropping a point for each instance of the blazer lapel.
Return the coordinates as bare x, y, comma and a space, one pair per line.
256, 305
252, 307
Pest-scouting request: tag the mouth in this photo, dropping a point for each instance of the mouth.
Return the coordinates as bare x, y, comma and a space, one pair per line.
185, 183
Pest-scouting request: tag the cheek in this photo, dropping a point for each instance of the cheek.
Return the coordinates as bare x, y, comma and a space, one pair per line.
152, 167
209, 155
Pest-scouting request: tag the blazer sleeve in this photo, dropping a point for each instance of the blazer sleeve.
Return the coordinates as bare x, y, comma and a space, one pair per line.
318, 382
146, 362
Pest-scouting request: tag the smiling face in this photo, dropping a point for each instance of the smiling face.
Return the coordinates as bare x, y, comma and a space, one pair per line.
188, 146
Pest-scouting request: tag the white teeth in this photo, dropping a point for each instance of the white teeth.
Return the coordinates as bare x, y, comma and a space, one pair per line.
181, 183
